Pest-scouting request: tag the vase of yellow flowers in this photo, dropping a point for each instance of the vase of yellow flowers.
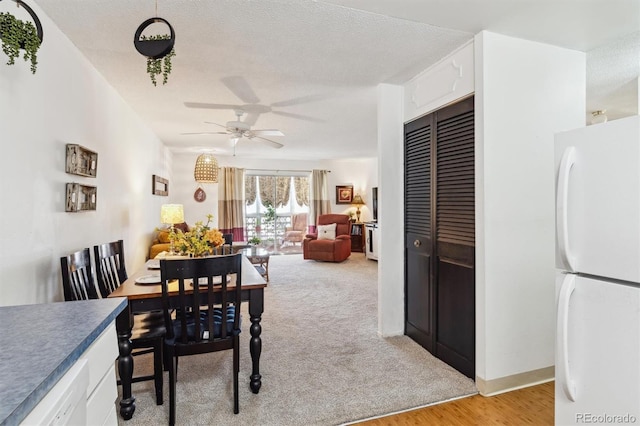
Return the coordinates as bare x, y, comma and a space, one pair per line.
199, 241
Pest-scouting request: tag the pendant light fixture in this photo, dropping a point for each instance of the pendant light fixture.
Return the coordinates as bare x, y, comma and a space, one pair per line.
206, 169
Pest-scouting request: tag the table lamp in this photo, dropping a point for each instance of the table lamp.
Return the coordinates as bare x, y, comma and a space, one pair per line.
171, 214
357, 201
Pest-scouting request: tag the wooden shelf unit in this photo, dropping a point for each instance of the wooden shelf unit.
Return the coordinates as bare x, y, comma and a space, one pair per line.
357, 237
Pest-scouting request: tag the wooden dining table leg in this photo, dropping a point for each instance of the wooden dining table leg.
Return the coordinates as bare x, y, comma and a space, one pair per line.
124, 323
256, 308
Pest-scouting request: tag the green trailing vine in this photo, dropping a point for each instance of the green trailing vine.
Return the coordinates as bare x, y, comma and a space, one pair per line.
155, 66
16, 35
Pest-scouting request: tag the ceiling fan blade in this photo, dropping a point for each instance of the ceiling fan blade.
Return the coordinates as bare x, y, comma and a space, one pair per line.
300, 100
205, 133
210, 106
251, 118
267, 132
298, 116
240, 87
221, 125
273, 144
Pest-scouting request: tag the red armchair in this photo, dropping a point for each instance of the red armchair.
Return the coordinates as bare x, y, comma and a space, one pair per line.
329, 250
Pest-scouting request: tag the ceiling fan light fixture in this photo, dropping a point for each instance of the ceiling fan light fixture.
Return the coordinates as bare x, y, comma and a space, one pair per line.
206, 169
599, 116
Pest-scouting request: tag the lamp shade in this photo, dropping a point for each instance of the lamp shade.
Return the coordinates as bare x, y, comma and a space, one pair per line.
172, 214
357, 200
206, 170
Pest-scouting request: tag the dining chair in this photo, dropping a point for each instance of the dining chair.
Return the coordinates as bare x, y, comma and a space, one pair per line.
207, 314
77, 278
226, 247
148, 328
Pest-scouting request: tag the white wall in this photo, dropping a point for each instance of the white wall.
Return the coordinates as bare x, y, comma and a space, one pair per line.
362, 173
67, 101
525, 93
391, 211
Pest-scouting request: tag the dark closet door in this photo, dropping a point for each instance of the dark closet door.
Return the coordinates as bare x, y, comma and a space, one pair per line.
419, 293
440, 234
455, 237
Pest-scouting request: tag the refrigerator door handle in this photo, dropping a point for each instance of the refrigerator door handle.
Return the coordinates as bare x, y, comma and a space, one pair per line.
568, 385
562, 205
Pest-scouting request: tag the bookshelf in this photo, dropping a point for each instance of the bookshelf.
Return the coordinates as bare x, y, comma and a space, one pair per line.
357, 237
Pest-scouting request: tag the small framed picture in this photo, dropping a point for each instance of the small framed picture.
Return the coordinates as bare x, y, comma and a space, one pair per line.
344, 194
159, 186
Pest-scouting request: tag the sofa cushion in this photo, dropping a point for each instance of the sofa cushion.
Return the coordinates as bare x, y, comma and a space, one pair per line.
327, 232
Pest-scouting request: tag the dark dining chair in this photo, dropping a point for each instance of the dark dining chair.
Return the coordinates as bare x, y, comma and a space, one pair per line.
111, 272
110, 267
226, 247
77, 278
207, 320
78, 284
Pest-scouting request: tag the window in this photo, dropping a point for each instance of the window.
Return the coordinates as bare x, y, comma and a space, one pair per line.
270, 200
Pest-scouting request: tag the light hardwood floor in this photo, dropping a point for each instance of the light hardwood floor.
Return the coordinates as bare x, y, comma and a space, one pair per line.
529, 406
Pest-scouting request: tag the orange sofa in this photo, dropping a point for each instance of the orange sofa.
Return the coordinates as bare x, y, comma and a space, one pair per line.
316, 247
161, 241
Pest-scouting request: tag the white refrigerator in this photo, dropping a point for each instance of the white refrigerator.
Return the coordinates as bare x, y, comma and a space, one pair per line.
598, 274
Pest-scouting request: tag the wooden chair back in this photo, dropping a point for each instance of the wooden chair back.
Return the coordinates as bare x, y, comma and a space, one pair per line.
77, 277
226, 247
204, 320
110, 267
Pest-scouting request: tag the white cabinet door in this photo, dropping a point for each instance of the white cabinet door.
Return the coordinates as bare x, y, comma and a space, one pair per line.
597, 351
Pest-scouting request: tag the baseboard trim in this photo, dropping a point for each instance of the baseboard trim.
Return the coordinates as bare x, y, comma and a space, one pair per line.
516, 381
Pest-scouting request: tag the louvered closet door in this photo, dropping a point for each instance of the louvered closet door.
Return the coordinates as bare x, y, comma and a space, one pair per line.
455, 237
419, 293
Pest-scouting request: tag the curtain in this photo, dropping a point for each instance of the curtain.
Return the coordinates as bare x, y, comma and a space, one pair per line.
274, 190
320, 203
250, 189
231, 203
301, 186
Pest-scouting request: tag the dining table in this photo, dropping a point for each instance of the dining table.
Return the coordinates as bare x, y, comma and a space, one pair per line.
144, 295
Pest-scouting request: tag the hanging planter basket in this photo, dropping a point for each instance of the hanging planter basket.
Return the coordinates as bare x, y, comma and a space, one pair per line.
17, 35
157, 48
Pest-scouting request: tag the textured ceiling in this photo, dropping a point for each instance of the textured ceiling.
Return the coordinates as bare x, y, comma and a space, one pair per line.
310, 68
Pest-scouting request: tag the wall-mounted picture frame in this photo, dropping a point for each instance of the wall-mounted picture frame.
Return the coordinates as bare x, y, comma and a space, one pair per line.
159, 186
80, 197
81, 161
344, 194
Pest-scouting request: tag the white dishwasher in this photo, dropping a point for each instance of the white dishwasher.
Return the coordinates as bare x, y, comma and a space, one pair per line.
66, 403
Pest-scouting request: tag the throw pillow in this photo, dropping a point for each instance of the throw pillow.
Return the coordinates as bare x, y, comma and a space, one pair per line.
163, 236
182, 227
327, 232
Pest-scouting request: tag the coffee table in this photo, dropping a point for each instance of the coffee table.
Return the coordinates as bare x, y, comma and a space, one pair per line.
259, 257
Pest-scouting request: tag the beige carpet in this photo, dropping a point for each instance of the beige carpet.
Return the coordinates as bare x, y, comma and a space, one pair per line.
322, 362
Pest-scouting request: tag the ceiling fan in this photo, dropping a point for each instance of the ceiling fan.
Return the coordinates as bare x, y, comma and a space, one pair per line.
239, 129
251, 103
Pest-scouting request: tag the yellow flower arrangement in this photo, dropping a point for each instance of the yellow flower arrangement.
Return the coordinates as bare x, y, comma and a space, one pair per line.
199, 240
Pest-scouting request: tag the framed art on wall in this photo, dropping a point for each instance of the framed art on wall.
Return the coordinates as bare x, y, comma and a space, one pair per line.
159, 186
81, 161
344, 194
80, 197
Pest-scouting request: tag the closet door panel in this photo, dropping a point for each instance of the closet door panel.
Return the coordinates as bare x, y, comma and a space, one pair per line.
455, 237
419, 292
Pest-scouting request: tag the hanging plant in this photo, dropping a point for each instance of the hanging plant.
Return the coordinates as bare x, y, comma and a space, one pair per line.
17, 35
157, 48
155, 66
